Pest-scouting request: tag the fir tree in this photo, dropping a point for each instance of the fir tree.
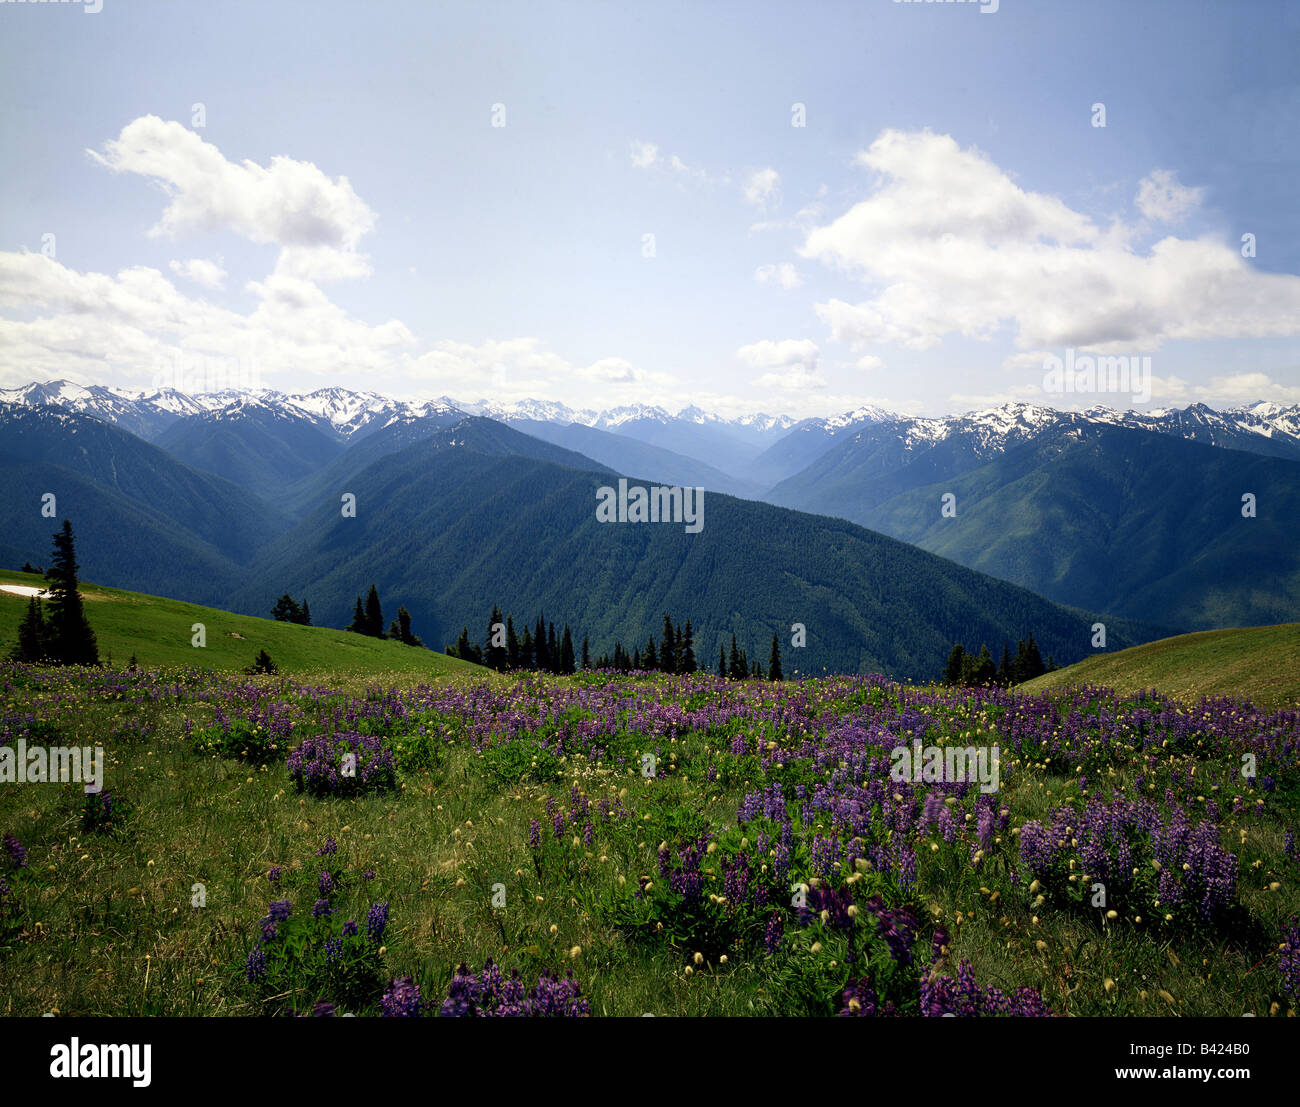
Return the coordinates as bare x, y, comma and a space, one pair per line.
527, 655
539, 646
955, 670
401, 629
722, 662
586, 656
667, 660
566, 651
1004, 666
306, 614
374, 615
358, 619
552, 651
636, 659
494, 656
774, 661
262, 664
985, 671
1033, 659
737, 668
33, 635
71, 641
651, 657
512, 643
286, 610
688, 650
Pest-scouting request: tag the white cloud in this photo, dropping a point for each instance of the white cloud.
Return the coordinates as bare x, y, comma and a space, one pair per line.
644, 154
1161, 198
870, 362
133, 322
201, 271
520, 368
792, 364
317, 222
783, 274
763, 187
948, 243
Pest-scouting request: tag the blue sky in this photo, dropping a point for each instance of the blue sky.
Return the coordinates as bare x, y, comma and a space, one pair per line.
948, 217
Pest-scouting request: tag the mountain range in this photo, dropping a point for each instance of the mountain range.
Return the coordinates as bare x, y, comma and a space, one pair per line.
1133, 518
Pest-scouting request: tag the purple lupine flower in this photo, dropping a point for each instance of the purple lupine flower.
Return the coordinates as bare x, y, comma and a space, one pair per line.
333, 949
274, 875
401, 999
255, 967
330, 846
534, 835
321, 908
775, 930
349, 928
17, 854
377, 922
1289, 961
323, 1009
326, 883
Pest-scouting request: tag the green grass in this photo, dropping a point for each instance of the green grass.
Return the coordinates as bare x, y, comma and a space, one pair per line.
1261, 664
158, 631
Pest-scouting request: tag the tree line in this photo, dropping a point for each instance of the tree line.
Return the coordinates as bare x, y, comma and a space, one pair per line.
369, 620
968, 669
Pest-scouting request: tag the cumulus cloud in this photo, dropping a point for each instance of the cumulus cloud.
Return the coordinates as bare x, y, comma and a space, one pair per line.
1162, 199
947, 243
644, 154
763, 187
791, 364
201, 271
317, 222
870, 362
520, 368
783, 274
136, 320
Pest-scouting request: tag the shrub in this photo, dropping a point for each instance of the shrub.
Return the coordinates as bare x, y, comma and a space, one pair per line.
313, 956
103, 812
258, 742
342, 765
262, 664
511, 762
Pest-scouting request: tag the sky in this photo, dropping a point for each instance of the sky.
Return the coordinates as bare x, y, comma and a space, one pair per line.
790, 208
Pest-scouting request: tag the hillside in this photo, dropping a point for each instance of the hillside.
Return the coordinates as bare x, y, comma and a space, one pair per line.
1106, 518
157, 631
1261, 664
460, 521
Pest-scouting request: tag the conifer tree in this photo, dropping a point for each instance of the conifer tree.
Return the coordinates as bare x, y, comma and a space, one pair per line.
737, 669
566, 651
668, 653
956, 667
33, 646
586, 656
1004, 666
552, 651
539, 645
688, 650
512, 643
71, 641
358, 619
374, 615
527, 655
650, 658
401, 629
636, 659
985, 670
1033, 659
774, 661
494, 656
722, 662
306, 614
